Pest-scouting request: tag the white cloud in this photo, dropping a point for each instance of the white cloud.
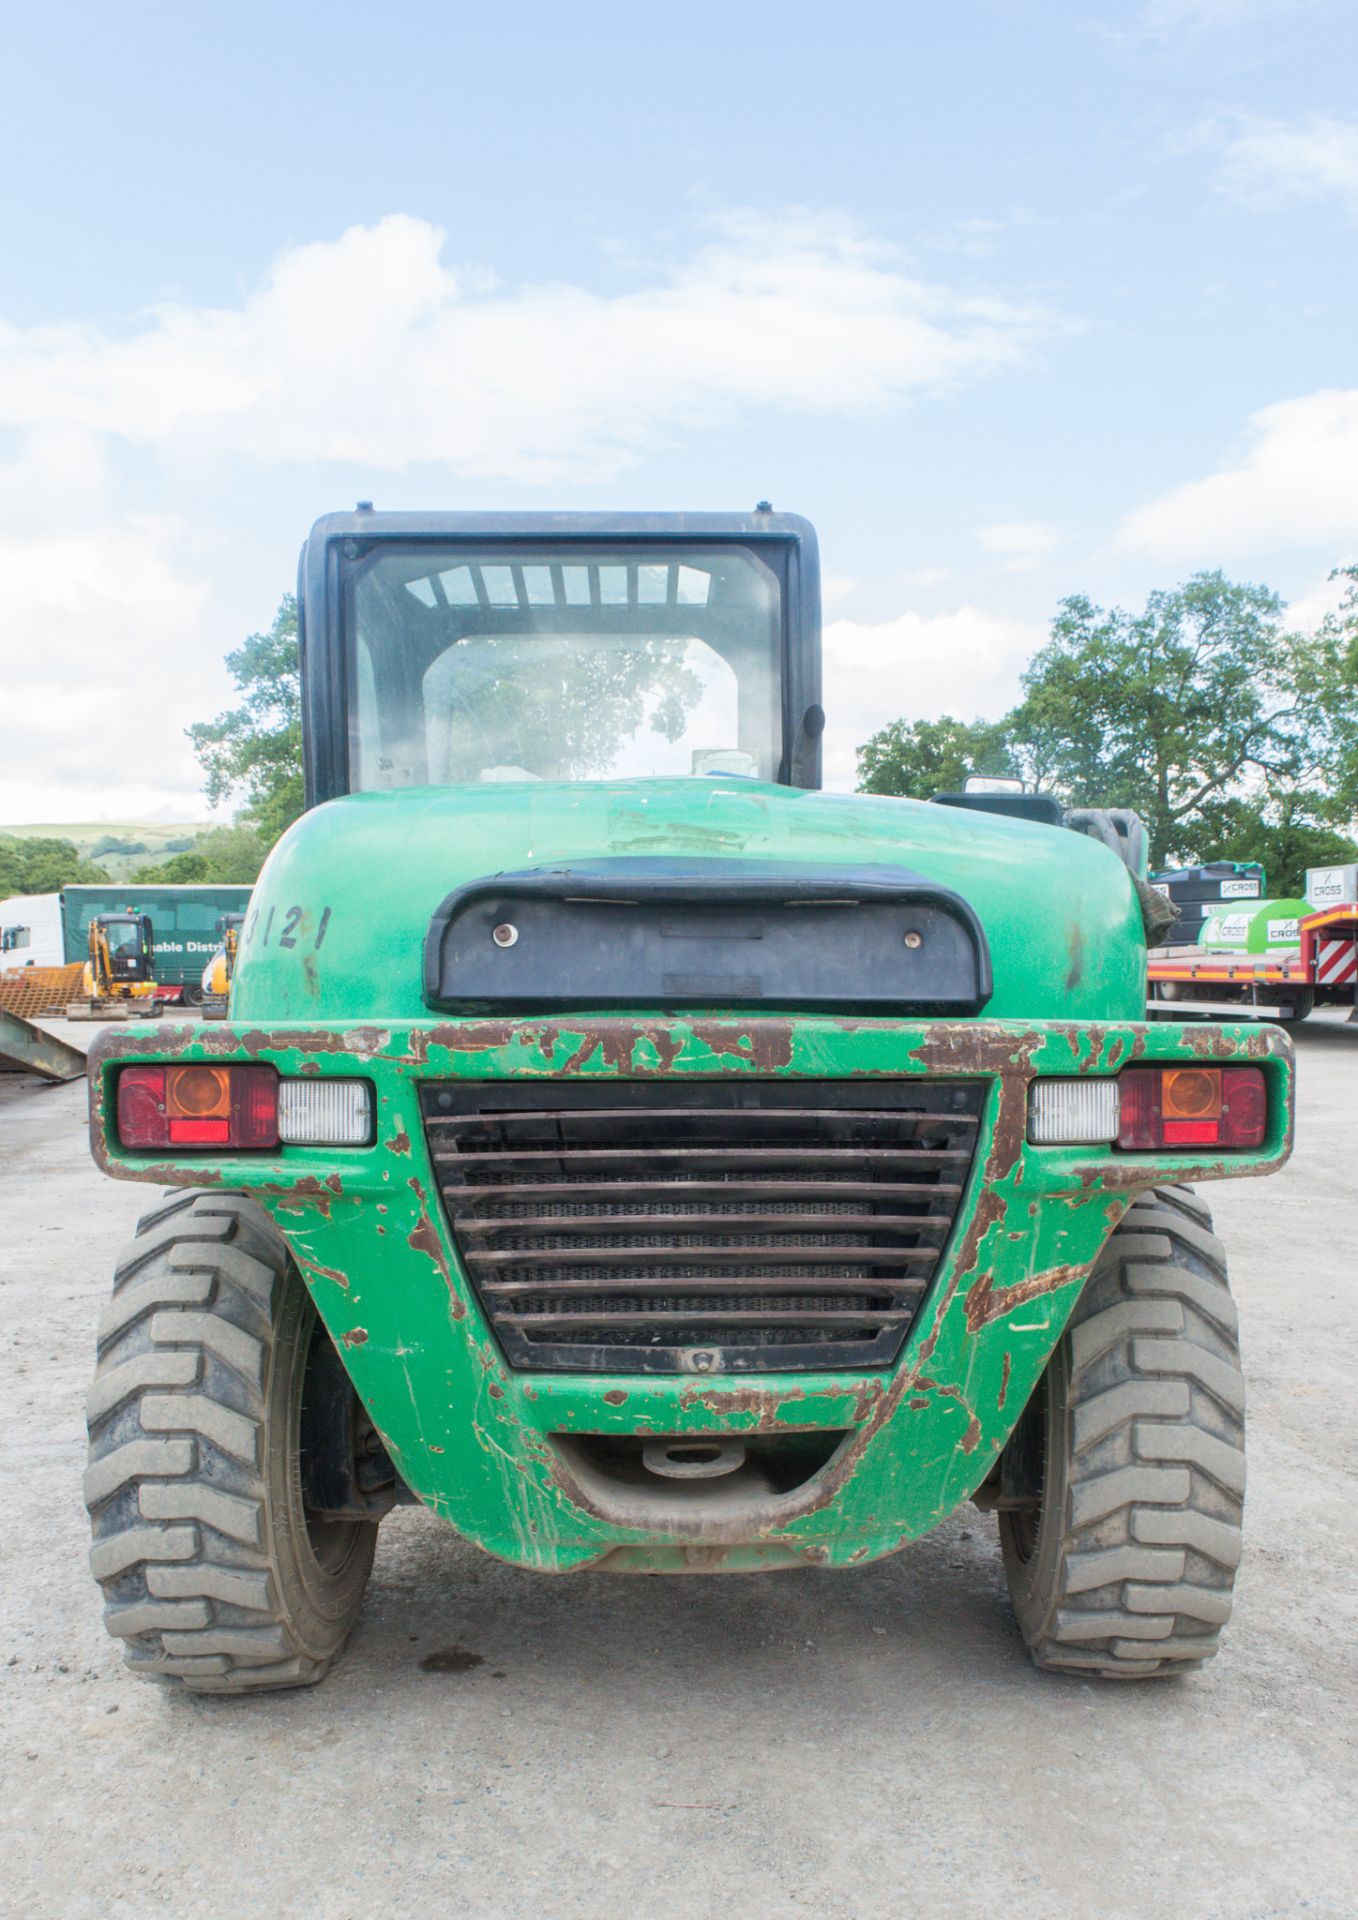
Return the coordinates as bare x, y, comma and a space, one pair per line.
1308, 609
1020, 543
911, 668
370, 349
1295, 486
1270, 162
102, 661
1165, 17
27, 802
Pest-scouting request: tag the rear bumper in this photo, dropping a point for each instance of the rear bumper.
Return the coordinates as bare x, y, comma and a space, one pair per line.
491, 1449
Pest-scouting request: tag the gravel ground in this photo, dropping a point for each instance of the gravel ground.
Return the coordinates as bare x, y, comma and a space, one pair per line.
861, 1744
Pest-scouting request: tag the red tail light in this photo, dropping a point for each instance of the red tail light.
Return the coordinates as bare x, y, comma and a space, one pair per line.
1244, 1106
141, 1107
198, 1106
1192, 1107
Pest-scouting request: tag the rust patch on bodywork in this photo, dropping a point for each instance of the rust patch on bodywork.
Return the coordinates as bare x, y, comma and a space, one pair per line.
325, 1273
1004, 1381
775, 1408
986, 1302
616, 1043
1210, 1043
399, 1141
356, 1337
481, 1036
765, 1403
424, 1238
172, 1173
765, 1044
307, 1187
364, 1043
1126, 1177
980, 1049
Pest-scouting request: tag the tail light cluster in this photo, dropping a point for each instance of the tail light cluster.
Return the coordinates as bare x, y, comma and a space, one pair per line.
1192, 1107
1149, 1109
198, 1106
245, 1108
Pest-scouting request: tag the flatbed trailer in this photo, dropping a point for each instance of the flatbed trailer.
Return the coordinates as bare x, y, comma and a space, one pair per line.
1185, 981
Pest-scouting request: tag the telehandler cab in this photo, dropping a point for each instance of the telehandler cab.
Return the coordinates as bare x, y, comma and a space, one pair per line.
650, 1162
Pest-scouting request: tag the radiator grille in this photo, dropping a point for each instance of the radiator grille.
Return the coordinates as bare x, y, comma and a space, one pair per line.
713, 1227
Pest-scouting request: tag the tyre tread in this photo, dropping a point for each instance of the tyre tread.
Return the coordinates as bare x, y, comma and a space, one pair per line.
1155, 1470
177, 1414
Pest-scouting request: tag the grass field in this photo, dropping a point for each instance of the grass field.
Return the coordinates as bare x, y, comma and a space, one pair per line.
154, 836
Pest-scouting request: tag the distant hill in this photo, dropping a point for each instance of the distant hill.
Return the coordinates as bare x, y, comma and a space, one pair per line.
112, 842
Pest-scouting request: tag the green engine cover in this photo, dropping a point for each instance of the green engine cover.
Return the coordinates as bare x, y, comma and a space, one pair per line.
339, 914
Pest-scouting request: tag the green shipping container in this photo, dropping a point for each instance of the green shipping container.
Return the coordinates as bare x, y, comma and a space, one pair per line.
184, 920
1265, 926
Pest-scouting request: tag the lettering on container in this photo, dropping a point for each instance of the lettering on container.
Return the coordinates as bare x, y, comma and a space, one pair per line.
1331, 886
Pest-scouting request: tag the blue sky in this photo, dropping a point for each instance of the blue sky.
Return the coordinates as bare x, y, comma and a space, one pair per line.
1012, 299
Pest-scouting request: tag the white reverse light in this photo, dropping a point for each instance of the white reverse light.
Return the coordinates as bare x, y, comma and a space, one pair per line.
1073, 1112
325, 1113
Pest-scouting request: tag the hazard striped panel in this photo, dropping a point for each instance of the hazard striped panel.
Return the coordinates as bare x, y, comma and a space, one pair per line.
1337, 963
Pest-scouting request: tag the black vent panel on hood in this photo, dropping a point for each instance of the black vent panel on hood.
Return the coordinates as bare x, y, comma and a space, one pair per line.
708, 933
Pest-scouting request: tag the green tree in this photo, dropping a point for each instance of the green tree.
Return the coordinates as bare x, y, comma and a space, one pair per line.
1285, 843
256, 747
110, 843
1328, 679
180, 870
919, 758
1169, 711
37, 865
224, 856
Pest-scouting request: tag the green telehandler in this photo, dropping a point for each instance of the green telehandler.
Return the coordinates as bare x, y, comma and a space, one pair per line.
648, 1161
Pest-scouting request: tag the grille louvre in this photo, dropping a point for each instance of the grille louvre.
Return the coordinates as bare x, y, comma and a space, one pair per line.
717, 1226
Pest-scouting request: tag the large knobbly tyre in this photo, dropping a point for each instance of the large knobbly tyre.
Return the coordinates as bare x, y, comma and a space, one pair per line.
1134, 1446
214, 1572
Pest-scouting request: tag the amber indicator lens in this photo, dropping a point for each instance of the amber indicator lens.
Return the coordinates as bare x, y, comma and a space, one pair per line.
1190, 1093
198, 1093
